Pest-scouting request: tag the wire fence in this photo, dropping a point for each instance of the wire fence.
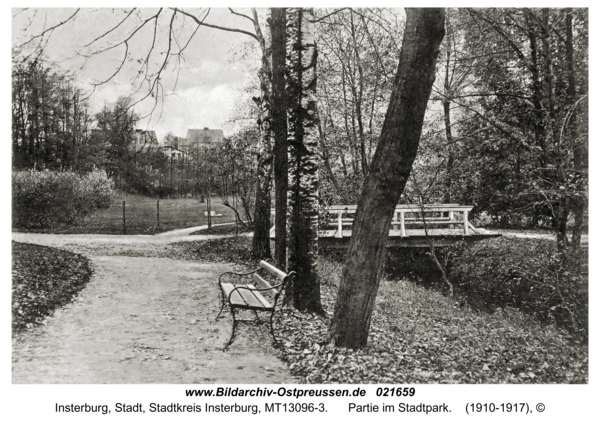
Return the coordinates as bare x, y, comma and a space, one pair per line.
134, 215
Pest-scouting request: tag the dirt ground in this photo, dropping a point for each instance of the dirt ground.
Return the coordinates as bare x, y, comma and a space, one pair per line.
143, 320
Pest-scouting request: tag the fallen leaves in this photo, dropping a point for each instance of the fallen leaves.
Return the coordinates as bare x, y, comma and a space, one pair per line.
417, 336
43, 279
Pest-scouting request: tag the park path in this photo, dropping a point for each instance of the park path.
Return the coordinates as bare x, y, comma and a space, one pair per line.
144, 320
59, 240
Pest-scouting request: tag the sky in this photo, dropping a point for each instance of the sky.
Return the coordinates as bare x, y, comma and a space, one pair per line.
203, 89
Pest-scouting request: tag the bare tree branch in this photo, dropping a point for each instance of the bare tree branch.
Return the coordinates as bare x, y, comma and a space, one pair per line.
199, 22
328, 15
241, 14
49, 30
111, 30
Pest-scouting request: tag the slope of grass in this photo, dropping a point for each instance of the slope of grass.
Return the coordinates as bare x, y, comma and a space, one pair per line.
420, 336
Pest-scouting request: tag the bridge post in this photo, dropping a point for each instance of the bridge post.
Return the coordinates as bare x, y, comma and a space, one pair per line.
339, 232
466, 220
402, 228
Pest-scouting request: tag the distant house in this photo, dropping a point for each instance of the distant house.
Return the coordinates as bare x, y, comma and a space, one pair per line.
173, 152
203, 138
144, 141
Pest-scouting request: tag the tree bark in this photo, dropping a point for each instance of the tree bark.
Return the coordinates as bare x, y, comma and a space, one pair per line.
261, 242
564, 204
280, 158
388, 174
304, 293
536, 89
447, 122
579, 148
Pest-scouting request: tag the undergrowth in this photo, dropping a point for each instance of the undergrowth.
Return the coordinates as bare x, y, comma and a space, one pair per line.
420, 336
525, 274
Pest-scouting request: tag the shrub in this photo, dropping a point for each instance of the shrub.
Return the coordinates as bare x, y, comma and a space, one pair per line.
57, 200
527, 274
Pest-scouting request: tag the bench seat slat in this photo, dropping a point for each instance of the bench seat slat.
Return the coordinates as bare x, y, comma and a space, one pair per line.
265, 303
246, 298
251, 299
235, 297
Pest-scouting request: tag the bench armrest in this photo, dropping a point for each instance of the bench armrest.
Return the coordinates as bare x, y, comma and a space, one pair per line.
236, 274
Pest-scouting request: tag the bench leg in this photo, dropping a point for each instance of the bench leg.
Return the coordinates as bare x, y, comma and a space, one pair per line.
272, 333
222, 305
232, 329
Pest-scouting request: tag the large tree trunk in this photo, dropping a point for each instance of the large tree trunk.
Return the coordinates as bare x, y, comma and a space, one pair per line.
261, 243
388, 174
278, 36
303, 162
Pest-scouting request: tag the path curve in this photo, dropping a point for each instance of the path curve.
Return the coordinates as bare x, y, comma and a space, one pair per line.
143, 320
57, 240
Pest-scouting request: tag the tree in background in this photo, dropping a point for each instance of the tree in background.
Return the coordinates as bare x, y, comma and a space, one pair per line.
115, 128
387, 177
528, 113
234, 173
359, 54
50, 119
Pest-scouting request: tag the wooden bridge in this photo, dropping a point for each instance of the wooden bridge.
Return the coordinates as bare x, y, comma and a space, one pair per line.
413, 225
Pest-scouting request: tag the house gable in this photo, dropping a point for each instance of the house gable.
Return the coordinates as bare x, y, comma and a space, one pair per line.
206, 137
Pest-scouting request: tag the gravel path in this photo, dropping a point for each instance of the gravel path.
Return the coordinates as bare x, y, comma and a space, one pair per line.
143, 320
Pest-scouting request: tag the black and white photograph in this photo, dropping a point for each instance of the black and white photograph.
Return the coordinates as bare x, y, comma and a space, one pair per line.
286, 206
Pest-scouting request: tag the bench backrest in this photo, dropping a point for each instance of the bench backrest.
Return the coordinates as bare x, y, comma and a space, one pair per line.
281, 276
273, 270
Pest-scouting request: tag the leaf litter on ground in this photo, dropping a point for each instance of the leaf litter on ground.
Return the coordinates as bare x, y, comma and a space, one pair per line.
416, 335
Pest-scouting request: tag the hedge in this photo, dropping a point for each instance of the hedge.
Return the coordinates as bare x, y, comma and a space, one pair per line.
57, 200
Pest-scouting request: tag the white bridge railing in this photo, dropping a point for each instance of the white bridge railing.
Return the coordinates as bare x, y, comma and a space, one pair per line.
411, 214
405, 214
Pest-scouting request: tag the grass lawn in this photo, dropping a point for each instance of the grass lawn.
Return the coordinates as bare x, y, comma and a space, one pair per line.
140, 216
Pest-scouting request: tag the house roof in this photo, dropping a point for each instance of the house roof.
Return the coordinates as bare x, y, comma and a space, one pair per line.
144, 141
206, 136
145, 137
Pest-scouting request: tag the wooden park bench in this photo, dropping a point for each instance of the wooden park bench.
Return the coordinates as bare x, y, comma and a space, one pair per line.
249, 297
212, 213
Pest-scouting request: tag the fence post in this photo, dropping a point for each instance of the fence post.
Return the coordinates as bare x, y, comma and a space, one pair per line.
124, 221
158, 213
